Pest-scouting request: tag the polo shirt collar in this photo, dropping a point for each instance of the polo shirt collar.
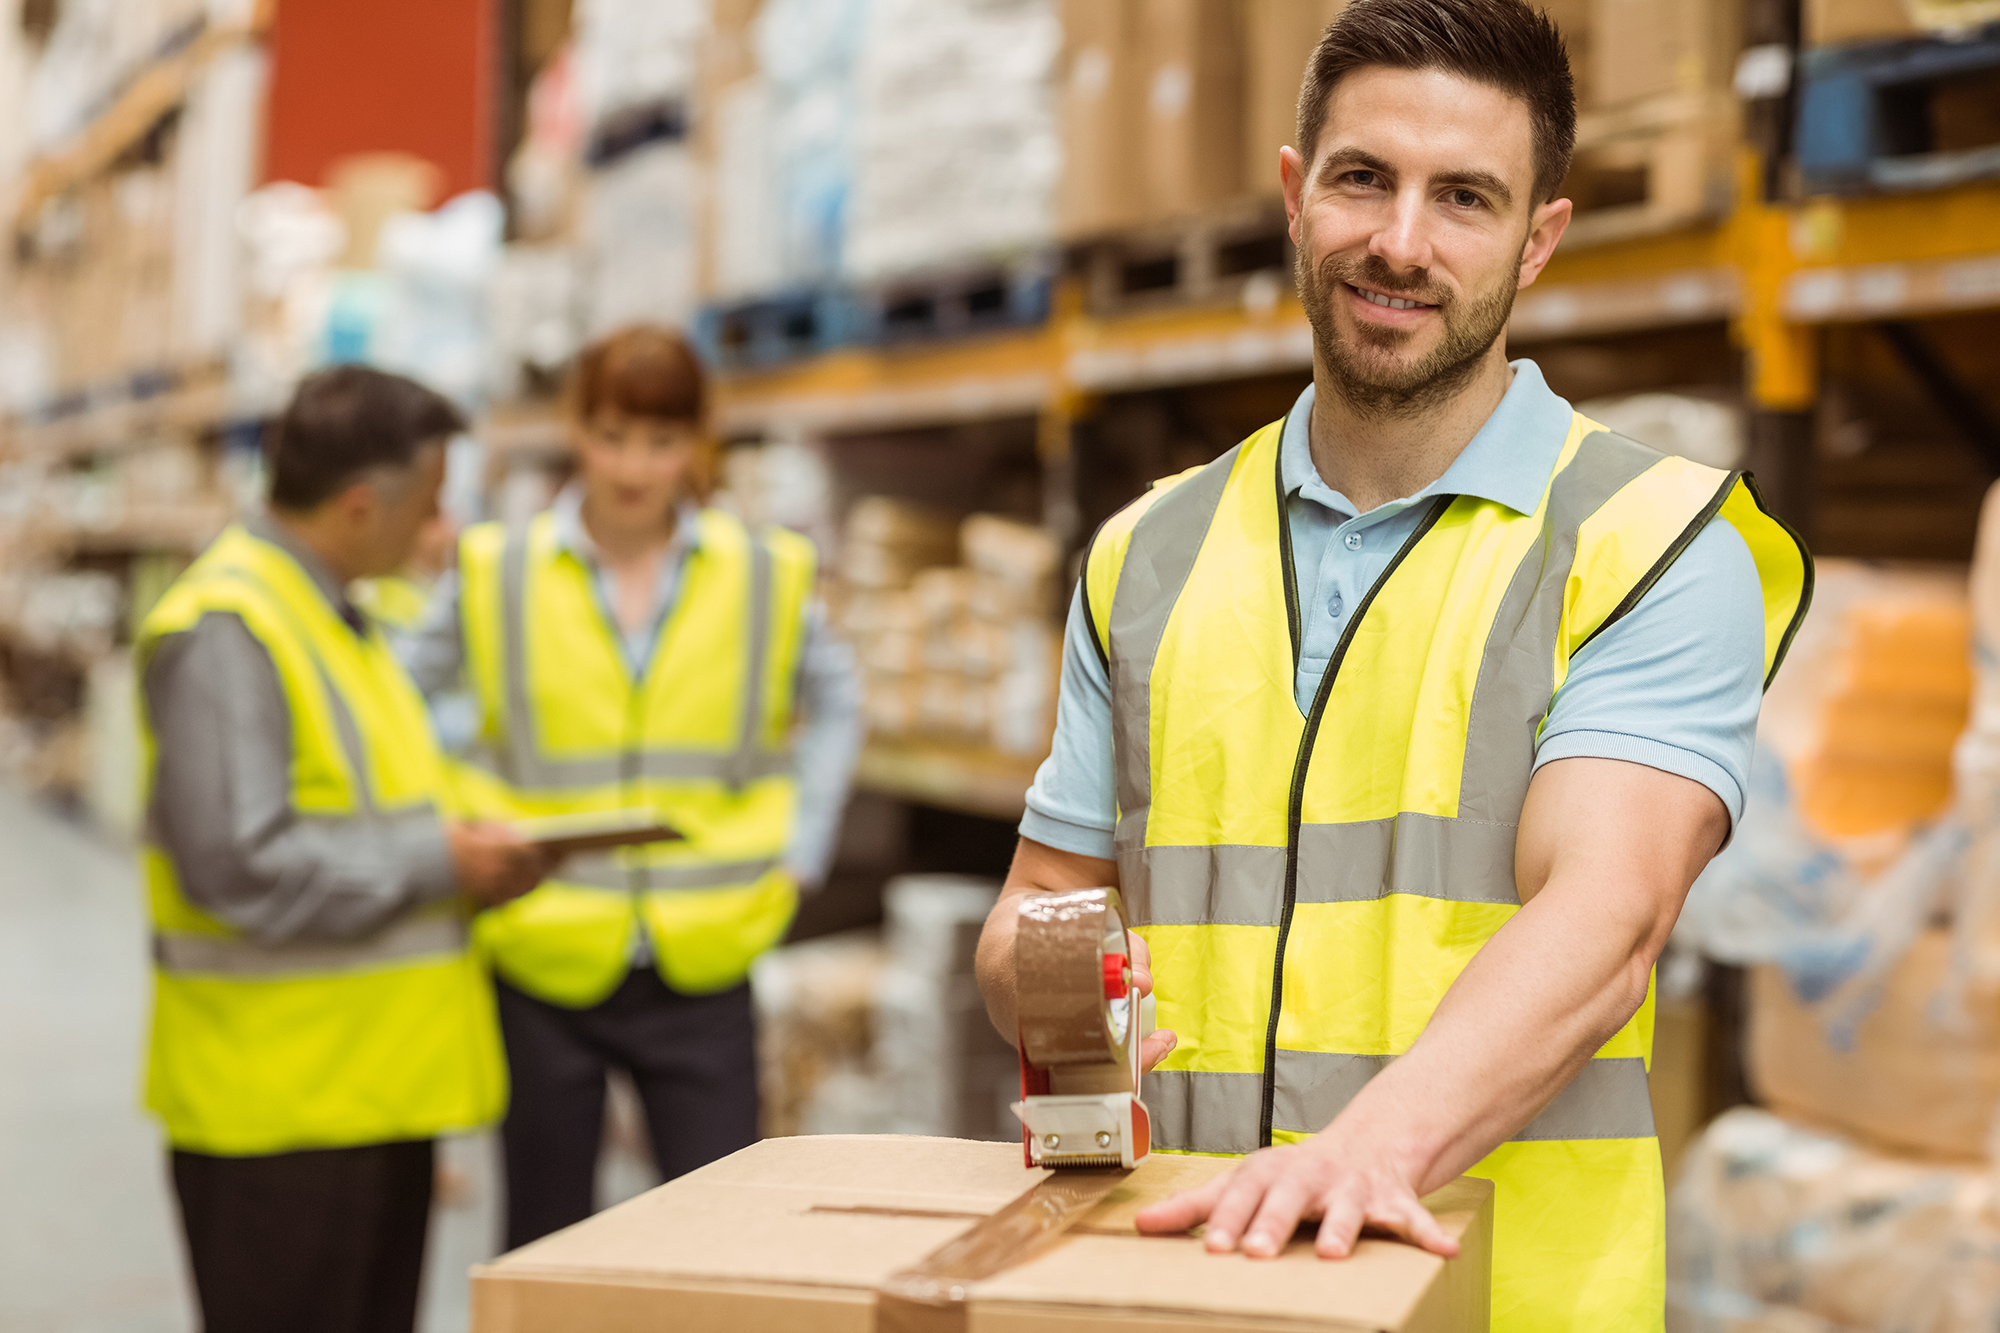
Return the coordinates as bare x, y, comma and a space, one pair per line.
566, 516
1509, 461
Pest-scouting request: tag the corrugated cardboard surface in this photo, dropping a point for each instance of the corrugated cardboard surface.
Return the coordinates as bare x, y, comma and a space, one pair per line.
794, 1234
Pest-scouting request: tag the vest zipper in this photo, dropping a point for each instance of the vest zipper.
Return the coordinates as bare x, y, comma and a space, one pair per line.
1300, 763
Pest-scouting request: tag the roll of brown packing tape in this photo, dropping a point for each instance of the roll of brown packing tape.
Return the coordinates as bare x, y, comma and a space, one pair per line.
1059, 954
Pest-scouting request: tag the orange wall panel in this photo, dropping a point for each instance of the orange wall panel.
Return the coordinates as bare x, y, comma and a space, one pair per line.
363, 76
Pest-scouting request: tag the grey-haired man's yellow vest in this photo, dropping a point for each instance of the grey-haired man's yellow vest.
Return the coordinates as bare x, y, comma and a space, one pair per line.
262, 1049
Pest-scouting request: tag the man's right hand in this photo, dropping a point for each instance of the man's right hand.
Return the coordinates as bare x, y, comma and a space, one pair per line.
494, 863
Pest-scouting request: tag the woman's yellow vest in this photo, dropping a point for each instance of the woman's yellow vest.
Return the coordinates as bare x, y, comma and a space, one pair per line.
1311, 885
703, 739
269, 1048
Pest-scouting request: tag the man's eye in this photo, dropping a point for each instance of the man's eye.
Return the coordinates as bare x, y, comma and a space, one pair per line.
1362, 177
1465, 198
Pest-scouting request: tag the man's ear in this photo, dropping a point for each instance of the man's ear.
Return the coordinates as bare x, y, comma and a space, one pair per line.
1292, 175
1545, 229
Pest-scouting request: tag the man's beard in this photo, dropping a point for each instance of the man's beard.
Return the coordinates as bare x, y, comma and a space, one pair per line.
1375, 386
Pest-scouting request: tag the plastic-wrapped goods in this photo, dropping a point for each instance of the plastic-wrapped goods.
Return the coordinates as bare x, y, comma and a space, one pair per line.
816, 1036
1015, 565
440, 267
955, 146
1923, 1071
807, 50
935, 1046
1776, 1228
633, 52
1840, 859
639, 234
1703, 429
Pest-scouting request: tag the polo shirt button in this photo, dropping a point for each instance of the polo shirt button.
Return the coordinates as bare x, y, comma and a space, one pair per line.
1334, 606
1353, 541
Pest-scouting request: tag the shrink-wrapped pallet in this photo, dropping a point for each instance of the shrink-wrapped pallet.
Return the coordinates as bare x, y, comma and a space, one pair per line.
1779, 1228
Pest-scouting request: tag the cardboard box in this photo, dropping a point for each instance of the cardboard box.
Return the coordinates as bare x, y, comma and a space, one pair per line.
1836, 22
794, 1236
1102, 89
1914, 1082
1191, 146
1646, 48
1279, 37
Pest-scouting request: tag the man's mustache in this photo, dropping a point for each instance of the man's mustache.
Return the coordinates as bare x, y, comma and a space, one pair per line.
1375, 274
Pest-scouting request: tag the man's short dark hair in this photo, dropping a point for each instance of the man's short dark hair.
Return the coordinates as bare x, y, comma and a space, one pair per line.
1504, 44
343, 422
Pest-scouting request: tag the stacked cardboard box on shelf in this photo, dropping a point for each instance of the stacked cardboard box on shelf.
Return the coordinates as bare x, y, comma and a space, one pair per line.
951, 624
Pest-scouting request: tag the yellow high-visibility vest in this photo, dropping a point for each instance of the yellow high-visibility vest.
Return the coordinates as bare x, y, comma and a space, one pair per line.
1310, 886
270, 1048
703, 740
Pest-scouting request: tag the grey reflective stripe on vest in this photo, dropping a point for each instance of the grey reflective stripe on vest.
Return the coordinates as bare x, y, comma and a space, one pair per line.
1164, 544
429, 933
1517, 669
613, 875
1197, 1111
1459, 860
521, 761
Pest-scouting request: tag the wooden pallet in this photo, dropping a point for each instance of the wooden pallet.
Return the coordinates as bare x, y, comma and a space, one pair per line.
953, 303
1202, 260
1652, 166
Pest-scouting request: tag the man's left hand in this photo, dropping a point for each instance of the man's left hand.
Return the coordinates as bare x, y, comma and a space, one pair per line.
1260, 1204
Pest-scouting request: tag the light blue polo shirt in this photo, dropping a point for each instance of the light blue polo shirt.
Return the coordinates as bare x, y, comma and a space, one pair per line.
1674, 685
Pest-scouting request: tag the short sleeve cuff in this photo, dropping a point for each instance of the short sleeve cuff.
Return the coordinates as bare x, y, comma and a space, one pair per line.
1080, 839
1653, 754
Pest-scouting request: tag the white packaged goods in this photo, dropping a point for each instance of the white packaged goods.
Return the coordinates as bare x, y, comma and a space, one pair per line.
1776, 1228
934, 1044
639, 237
1707, 431
535, 312
807, 50
632, 52
440, 265
956, 153
215, 168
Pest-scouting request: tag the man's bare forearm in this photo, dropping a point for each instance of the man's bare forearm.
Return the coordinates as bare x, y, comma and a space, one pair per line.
1528, 1012
1037, 868
1556, 982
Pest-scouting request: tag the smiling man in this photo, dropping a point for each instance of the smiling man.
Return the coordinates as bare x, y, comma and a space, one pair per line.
1405, 725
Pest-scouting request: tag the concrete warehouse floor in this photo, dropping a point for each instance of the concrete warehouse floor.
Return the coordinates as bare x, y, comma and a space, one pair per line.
89, 1241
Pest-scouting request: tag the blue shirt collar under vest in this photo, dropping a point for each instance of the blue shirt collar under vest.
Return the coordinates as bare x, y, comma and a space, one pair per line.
1509, 461
566, 514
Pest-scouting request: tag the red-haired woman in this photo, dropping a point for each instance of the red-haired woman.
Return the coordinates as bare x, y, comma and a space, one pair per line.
632, 648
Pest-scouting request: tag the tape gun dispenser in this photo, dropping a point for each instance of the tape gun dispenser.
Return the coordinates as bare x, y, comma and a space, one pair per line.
1081, 1025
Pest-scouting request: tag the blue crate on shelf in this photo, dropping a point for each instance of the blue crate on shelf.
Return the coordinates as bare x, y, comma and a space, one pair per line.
1863, 119
773, 330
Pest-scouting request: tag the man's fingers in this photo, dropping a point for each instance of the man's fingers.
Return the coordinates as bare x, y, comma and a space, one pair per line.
1277, 1218
1238, 1204
1154, 1048
1413, 1222
1341, 1224
1183, 1210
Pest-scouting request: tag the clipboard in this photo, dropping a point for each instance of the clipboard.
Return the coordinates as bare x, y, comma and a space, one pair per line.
564, 835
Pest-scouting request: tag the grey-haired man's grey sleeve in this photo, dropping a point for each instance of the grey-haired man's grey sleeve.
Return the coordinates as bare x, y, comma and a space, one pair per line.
222, 804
